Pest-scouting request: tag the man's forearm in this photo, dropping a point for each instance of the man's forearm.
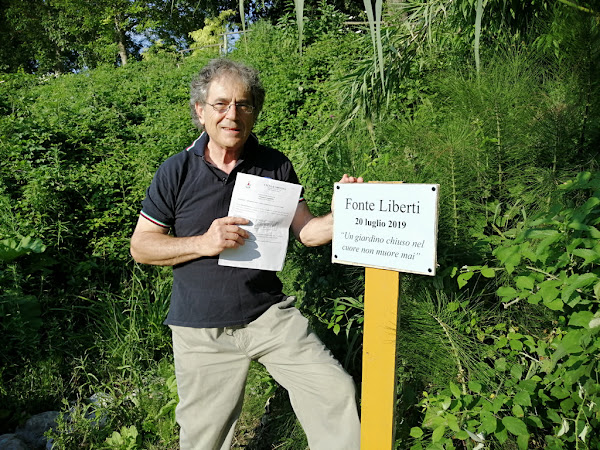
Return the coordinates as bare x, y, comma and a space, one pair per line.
317, 231
163, 249
151, 244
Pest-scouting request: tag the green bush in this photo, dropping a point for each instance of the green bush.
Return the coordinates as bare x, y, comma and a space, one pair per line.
541, 389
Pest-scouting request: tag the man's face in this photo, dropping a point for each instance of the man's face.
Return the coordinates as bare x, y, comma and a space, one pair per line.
227, 131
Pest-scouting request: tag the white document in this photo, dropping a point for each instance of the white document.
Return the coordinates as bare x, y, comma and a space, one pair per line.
270, 206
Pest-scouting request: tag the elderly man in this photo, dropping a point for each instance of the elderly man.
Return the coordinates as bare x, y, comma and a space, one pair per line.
223, 317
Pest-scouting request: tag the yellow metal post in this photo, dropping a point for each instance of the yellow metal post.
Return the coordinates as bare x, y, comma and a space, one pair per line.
379, 359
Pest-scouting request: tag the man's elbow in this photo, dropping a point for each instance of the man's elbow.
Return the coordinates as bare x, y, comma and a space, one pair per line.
307, 243
312, 240
135, 253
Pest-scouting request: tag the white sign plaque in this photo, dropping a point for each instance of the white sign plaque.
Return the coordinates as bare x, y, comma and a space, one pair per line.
386, 226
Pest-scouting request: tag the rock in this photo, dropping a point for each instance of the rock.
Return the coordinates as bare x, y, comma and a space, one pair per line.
12, 442
33, 431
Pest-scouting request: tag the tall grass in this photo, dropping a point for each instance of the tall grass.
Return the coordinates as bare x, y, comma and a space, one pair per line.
129, 326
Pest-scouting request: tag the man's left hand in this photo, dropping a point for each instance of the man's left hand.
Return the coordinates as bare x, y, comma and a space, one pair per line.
348, 179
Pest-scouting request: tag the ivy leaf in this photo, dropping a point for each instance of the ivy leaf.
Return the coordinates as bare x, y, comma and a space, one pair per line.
575, 372
535, 420
438, 433
507, 293
501, 435
571, 342
500, 364
516, 371
509, 256
542, 248
523, 442
528, 386
516, 345
553, 416
522, 398
498, 403
463, 278
527, 252
559, 392
534, 299
453, 422
455, 390
487, 272
446, 401
517, 411
567, 404
475, 386
416, 432
555, 305
549, 290
488, 422
525, 282
515, 426
581, 319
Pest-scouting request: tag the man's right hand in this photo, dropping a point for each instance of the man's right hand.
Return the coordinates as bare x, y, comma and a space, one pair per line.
224, 233
152, 244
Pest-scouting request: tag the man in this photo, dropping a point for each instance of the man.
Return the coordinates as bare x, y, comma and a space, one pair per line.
223, 317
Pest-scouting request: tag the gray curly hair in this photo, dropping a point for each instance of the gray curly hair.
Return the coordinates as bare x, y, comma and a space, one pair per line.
217, 68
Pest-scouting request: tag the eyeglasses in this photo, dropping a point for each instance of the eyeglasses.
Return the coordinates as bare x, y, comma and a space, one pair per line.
222, 108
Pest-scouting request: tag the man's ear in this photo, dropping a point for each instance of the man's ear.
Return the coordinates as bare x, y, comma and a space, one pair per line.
200, 112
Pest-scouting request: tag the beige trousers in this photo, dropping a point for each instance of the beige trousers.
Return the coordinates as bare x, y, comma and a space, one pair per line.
211, 365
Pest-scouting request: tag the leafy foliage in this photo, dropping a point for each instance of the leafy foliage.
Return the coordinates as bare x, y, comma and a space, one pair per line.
498, 350
69, 35
543, 388
126, 414
209, 36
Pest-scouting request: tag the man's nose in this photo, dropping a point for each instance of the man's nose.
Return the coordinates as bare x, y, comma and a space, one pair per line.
232, 111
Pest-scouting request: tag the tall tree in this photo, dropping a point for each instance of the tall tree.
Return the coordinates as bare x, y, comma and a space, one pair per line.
26, 44
62, 35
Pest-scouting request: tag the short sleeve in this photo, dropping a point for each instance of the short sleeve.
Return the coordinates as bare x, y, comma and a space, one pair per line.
159, 204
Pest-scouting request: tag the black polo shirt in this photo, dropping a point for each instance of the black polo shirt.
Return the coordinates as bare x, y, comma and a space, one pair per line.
186, 195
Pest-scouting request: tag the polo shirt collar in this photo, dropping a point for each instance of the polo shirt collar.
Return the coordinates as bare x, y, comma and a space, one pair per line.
199, 145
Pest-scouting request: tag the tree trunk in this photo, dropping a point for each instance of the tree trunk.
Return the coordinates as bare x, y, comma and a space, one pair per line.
121, 41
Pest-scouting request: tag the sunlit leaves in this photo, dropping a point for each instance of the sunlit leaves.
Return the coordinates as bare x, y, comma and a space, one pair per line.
211, 34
